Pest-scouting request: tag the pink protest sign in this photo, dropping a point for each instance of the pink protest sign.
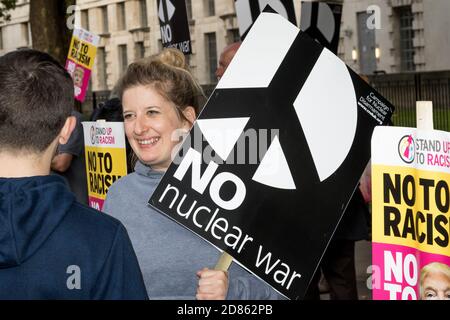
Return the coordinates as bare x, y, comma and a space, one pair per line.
80, 60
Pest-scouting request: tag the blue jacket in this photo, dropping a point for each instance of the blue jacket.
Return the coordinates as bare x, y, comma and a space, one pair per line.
52, 247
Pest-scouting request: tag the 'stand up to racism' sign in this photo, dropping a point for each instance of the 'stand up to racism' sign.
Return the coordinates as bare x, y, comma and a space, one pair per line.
106, 160
308, 119
410, 214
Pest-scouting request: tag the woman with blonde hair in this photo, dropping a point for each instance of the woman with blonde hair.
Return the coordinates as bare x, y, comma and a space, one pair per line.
158, 99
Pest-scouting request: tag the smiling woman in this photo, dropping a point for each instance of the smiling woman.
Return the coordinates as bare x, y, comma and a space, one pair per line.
158, 100
150, 121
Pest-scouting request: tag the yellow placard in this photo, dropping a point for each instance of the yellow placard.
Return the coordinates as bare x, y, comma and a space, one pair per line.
82, 52
104, 167
411, 208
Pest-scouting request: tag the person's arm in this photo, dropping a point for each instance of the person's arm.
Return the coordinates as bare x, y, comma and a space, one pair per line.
249, 287
61, 162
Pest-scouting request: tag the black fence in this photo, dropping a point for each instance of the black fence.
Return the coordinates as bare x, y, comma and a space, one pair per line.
93, 100
403, 90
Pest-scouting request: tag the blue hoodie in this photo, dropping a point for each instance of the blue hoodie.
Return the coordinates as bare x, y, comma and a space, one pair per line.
52, 247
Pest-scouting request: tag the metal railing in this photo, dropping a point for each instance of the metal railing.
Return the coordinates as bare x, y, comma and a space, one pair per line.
403, 90
93, 99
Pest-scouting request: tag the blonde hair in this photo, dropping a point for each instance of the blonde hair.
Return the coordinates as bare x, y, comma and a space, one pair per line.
167, 73
430, 268
173, 57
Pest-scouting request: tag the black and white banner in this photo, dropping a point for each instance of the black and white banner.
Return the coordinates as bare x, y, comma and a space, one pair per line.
311, 119
247, 12
322, 21
174, 25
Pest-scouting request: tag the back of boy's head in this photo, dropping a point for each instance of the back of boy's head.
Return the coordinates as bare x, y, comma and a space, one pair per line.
36, 98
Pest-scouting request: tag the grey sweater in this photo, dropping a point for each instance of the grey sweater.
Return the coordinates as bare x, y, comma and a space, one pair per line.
170, 255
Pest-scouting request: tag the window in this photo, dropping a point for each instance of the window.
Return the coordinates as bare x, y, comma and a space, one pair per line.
140, 50
25, 32
101, 69
233, 35
123, 58
85, 19
366, 45
406, 35
211, 55
121, 23
210, 8
189, 9
105, 19
143, 11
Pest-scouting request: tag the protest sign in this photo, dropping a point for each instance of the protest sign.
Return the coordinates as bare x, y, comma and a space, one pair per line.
106, 159
309, 119
410, 208
174, 25
322, 21
80, 61
247, 11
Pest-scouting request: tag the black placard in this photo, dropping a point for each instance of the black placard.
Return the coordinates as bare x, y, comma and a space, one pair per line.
322, 21
247, 12
174, 25
276, 214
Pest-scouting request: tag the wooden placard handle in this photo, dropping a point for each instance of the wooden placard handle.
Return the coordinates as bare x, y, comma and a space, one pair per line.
424, 115
224, 262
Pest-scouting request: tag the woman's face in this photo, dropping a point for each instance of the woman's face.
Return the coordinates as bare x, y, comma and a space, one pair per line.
150, 120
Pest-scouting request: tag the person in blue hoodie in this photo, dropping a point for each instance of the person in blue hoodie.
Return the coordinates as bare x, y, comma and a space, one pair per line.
51, 247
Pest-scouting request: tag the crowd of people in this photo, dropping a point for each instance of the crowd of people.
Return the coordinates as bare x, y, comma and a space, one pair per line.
52, 246
69, 251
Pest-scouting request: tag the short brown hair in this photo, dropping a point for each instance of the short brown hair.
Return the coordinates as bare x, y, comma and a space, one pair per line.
36, 98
